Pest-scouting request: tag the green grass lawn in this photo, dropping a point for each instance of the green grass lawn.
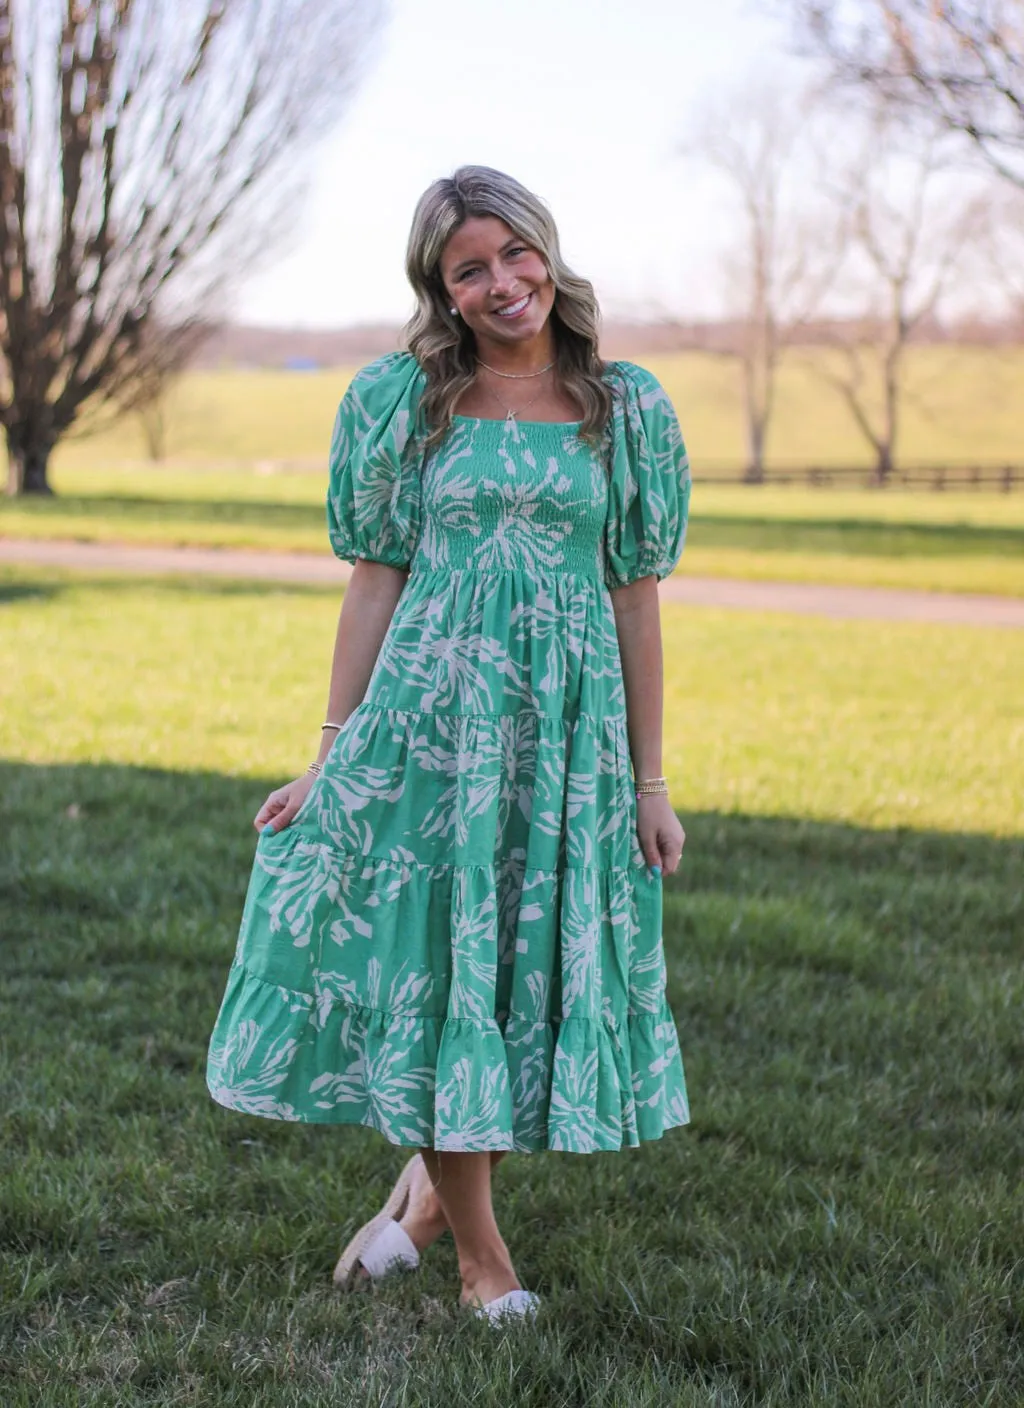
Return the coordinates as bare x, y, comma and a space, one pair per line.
230, 433
841, 1225
941, 542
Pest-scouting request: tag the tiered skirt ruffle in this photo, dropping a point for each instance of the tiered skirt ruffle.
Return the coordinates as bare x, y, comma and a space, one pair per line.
457, 941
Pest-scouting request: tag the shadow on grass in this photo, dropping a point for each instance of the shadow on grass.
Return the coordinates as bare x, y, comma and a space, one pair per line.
104, 834
139, 508
28, 581
843, 1209
11, 591
855, 537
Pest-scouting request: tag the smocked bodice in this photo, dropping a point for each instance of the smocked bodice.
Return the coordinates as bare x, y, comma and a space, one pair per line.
529, 498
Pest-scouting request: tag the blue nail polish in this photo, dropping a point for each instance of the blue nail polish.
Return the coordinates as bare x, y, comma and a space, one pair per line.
656, 871
269, 827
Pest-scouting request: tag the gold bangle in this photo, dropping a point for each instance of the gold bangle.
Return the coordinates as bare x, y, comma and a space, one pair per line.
315, 769
337, 727
652, 787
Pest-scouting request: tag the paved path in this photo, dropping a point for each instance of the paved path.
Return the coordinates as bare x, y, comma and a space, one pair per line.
861, 603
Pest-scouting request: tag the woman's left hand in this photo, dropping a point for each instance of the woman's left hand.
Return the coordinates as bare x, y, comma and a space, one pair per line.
659, 832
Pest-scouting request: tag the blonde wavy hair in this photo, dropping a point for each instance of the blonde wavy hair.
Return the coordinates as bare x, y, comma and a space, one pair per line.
442, 344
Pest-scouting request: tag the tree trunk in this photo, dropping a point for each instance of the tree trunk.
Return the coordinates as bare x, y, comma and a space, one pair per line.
884, 464
886, 461
754, 471
28, 456
758, 372
154, 429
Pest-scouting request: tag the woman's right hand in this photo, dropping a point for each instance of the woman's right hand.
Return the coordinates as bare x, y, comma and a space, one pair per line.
278, 811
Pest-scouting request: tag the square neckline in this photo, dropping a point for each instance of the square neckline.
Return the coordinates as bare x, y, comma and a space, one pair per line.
501, 420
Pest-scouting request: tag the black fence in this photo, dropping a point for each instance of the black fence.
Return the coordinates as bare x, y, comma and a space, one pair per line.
993, 478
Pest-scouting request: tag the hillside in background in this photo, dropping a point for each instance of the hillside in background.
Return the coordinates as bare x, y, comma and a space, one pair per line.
240, 346
237, 346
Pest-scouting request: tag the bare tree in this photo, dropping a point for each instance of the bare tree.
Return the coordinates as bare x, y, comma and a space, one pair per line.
150, 151
145, 395
760, 142
150, 405
908, 239
958, 61
1002, 246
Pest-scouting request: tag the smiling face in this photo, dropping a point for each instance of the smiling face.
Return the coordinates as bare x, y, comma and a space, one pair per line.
499, 285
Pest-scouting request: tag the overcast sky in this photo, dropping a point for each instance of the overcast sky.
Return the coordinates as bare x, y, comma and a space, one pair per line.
585, 101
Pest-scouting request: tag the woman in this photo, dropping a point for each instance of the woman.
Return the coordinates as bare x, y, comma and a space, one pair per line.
453, 928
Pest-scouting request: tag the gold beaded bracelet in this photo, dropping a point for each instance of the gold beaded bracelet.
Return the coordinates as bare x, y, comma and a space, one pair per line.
316, 768
652, 787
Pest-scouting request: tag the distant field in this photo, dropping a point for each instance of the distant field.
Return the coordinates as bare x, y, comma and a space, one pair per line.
966, 407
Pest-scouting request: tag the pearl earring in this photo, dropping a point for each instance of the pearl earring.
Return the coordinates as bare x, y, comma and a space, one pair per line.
454, 312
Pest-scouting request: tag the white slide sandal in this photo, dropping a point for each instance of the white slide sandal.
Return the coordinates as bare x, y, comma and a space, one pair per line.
396, 1249
391, 1250
513, 1305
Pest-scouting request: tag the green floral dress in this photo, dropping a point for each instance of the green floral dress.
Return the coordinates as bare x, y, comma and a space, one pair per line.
457, 940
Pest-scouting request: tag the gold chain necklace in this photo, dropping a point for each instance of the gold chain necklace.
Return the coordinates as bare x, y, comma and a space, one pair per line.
514, 376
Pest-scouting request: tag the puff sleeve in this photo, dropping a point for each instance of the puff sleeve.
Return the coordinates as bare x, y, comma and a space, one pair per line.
373, 498
649, 481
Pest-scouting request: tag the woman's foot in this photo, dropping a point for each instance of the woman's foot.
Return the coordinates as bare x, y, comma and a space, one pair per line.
462, 1179
423, 1221
482, 1283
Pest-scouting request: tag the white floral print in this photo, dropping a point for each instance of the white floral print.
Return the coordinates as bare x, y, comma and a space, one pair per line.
457, 942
